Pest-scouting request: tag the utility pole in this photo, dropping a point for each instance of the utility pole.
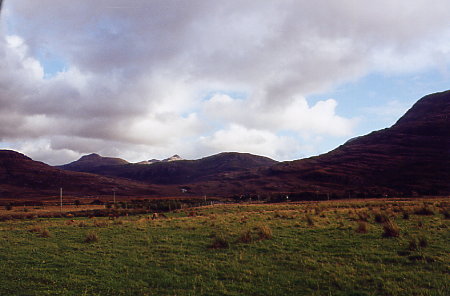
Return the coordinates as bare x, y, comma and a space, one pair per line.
60, 197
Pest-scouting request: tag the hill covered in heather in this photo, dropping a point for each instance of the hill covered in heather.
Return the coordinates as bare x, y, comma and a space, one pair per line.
411, 157
22, 177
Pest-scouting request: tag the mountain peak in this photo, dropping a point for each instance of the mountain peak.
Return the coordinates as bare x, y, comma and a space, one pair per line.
175, 157
92, 156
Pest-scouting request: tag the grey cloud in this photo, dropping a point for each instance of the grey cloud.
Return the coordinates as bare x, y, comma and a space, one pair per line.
137, 69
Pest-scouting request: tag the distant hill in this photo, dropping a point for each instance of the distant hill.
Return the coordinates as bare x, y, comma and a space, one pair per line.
22, 177
87, 162
176, 171
411, 157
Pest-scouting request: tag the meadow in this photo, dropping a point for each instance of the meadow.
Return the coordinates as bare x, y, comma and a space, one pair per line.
359, 247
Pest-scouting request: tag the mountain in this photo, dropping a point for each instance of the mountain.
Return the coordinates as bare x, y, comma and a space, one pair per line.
22, 177
177, 171
411, 157
175, 157
87, 162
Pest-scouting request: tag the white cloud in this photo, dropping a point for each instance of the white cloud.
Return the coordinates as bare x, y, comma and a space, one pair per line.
241, 139
137, 71
295, 115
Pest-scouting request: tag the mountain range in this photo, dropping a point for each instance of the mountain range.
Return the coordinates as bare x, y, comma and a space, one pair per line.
410, 158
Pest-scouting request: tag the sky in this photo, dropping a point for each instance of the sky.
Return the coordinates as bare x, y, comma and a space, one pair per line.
142, 79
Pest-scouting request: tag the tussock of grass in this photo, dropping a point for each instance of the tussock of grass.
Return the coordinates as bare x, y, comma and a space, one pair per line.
100, 223
381, 218
45, 233
36, 228
219, 242
425, 210
405, 215
391, 229
362, 227
246, 237
309, 220
264, 232
91, 237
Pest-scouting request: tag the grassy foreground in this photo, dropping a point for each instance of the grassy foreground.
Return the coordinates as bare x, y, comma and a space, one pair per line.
327, 248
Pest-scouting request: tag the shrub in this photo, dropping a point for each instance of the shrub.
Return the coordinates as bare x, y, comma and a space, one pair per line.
362, 227
446, 214
391, 229
91, 237
8, 207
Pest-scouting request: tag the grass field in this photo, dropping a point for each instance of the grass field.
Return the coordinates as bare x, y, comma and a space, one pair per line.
375, 247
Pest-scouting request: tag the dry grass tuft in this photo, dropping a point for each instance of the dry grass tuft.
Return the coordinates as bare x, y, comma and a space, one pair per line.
381, 218
45, 233
91, 237
246, 237
264, 232
425, 210
391, 229
219, 242
100, 223
362, 227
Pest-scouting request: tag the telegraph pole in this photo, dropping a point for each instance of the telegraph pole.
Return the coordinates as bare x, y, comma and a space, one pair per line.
60, 197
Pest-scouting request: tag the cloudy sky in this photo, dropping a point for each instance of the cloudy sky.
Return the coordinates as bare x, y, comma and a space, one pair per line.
143, 79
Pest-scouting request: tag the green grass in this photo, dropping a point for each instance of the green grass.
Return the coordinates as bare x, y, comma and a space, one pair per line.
174, 256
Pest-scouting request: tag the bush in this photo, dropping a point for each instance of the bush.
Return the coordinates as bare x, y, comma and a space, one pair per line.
91, 237
391, 229
405, 215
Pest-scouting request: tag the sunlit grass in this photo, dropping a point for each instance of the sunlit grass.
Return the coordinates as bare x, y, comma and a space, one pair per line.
245, 249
